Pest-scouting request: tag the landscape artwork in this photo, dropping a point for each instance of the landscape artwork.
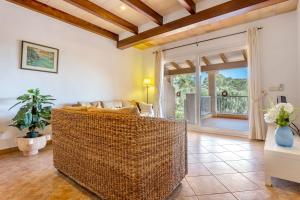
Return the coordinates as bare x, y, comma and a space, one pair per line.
39, 58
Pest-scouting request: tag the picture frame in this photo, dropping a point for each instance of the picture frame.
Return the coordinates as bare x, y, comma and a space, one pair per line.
38, 57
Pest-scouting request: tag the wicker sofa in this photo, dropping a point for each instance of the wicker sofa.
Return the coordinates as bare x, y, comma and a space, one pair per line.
119, 156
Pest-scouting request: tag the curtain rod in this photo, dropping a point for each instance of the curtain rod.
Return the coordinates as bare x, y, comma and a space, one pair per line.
201, 41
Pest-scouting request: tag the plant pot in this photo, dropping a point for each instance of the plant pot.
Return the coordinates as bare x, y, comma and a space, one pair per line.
284, 136
31, 146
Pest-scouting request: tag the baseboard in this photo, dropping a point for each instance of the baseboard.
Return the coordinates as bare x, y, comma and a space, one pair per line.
9, 150
15, 149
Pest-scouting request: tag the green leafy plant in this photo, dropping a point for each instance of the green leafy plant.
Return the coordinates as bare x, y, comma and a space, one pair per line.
34, 113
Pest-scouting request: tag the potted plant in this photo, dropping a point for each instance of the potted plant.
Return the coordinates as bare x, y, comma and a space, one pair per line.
34, 114
282, 115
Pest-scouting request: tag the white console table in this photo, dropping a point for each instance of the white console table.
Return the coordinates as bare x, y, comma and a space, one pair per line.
281, 162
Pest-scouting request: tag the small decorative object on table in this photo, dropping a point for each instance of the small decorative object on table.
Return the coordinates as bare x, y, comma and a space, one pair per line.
282, 114
34, 113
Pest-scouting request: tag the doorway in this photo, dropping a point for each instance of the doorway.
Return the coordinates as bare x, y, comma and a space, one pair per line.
213, 96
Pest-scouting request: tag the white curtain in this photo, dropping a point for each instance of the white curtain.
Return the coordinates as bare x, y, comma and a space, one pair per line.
256, 120
159, 87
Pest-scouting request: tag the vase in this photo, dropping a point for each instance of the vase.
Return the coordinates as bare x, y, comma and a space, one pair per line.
284, 136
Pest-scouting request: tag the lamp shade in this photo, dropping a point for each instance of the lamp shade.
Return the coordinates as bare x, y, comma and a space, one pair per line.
147, 82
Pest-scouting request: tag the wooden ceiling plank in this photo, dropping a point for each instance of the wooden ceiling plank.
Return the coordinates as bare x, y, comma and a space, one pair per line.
65, 17
189, 5
210, 15
205, 60
104, 14
144, 9
223, 57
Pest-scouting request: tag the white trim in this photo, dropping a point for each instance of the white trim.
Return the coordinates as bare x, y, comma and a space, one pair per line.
226, 132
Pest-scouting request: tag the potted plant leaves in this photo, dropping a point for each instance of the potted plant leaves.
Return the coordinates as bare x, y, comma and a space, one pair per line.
34, 114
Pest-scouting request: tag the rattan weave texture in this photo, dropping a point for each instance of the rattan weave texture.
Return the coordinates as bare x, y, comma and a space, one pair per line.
119, 156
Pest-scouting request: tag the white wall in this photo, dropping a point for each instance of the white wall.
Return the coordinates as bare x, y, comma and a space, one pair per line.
298, 72
279, 48
90, 66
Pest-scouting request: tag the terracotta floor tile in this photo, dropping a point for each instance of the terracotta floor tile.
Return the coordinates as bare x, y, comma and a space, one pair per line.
203, 158
184, 198
227, 141
249, 154
35, 178
197, 149
245, 166
234, 147
207, 143
254, 195
225, 196
206, 185
219, 168
227, 156
184, 190
257, 177
215, 149
197, 170
236, 182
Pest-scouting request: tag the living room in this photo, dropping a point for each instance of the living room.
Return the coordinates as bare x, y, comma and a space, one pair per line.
113, 132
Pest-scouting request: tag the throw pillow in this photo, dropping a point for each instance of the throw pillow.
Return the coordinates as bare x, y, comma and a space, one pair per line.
146, 109
112, 104
96, 104
129, 104
86, 104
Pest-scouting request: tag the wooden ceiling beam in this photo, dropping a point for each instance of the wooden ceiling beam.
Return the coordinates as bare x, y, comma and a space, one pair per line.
210, 15
191, 64
104, 14
224, 58
179, 71
229, 65
205, 60
189, 5
174, 64
65, 17
144, 9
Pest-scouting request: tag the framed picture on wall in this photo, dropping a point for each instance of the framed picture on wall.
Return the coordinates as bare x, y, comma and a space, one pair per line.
39, 57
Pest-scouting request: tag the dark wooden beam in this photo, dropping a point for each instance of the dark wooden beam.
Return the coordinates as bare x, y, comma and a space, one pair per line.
205, 60
174, 64
206, 68
145, 10
213, 14
104, 14
223, 57
229, 65
191, 64
65, 17
189, 5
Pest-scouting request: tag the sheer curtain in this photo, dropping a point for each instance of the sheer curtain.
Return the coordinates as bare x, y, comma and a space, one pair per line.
159, 81
256, 120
